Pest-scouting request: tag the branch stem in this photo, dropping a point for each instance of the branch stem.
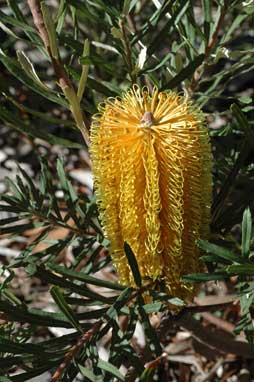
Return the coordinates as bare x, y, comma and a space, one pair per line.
61, 74
128, 53
208, 49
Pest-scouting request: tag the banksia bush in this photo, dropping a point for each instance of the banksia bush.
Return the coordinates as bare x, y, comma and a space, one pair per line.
65, 314
152, 171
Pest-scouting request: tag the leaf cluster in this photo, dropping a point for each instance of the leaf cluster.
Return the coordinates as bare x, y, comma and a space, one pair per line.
37, 206
225, 263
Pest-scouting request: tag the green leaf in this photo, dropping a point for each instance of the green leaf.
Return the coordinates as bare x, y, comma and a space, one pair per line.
121, 300
34, 132
154, 307
107, 366
9, 346
15, 69
150, 332
128, 6
243, 123
65, 308
33, 316
133, 264
218, 251
186, 72
89, 374
176, 301
5, 379
103, 87
245, 100
233, 27
210, 259
21, 377
84, 74
41, 115
155, 67
51, 31
16, 23
203, 277
245, 269
61, 282
206, 5
61, 14
69, 273
246, 232
29, 69
151, 24
20, 228
172, 22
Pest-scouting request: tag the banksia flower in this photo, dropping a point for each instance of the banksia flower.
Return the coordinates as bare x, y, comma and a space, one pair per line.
152, 173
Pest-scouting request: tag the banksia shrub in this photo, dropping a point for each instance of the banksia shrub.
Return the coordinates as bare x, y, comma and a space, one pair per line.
152, 172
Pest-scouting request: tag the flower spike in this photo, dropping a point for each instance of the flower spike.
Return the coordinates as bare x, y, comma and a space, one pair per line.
152, 171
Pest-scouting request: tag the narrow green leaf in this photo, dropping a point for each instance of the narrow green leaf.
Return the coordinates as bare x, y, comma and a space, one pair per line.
13, 186
133, 264
206, 5
9, 346
121, 300
10, 361
49, 24
98, 61
233, 27
172, 22
61, 282
5, 379
245, 269
27, 376
176, 301
34, 132
15, 69
243, 123
218, 251
128, 6
155, 67
151, 24
88, 373
9, 220
210, 259
60, 17
69, 273
84, 74
246, 232
150, 332
41, 115
20, 228
33, 316
21, 22
203, 277
102, 87
61, 173
65, 308
29, 69
16, 23
153, 307
245, 100
186, 72
107, 366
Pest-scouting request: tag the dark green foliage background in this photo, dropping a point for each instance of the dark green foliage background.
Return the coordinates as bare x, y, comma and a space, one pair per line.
202, 48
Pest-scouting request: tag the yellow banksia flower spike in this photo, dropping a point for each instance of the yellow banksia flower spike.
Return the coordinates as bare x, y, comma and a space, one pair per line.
152, 175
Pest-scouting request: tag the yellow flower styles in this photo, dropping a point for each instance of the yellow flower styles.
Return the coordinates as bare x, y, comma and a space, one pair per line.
152, 172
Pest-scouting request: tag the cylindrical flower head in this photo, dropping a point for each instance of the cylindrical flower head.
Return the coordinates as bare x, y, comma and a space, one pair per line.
152, 176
